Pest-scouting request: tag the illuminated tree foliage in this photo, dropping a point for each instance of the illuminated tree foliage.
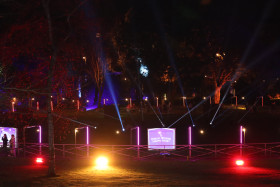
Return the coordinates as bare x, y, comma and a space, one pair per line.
35, 44
220, 72
183, 63
204, 64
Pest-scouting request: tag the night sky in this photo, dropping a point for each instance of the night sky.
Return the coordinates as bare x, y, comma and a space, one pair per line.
249, 28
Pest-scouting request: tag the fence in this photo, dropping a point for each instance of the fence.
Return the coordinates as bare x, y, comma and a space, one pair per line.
184, 152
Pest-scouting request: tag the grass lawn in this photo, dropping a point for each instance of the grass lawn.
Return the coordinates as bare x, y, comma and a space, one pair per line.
22, 172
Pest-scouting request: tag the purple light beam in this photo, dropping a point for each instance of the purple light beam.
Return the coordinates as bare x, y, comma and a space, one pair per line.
190, 135
138, 136
87, 135
40, 134
241, 128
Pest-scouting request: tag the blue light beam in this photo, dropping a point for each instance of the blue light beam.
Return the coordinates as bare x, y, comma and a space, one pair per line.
170, 55
111, 90
211, 122
203, 101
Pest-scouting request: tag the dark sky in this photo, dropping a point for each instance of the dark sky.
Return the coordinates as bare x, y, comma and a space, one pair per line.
251, 28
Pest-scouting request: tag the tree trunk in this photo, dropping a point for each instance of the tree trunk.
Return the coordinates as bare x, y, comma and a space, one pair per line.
51, 170
100, 92
217, 94
96, 91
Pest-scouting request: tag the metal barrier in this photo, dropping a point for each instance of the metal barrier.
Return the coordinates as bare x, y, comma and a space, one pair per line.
185, 152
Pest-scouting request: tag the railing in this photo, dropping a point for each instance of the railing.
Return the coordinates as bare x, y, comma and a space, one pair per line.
184, 152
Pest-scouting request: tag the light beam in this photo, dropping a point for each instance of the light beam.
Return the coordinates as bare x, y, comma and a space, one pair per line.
110, 86
190, 135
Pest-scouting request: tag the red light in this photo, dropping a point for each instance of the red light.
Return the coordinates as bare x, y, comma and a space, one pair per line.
239, 162
39, 160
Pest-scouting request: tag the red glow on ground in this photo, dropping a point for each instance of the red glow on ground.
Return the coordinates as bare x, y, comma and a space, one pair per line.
248, 170
239, 162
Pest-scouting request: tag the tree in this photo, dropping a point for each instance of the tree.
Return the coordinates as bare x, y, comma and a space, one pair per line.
51, 170
97, 69
221, 71
139, 46
203, 58
39, 33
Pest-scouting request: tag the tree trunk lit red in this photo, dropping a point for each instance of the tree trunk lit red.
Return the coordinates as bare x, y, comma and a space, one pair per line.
217, 94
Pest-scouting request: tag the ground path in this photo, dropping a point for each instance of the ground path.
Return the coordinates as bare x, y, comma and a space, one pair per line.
22, 172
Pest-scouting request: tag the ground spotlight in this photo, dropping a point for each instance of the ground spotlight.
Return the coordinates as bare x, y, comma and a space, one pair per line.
101, 163
239, 162
39, 160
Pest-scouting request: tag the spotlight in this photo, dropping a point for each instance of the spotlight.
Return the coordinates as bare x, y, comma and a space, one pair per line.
101, 162
239, 162
39, 160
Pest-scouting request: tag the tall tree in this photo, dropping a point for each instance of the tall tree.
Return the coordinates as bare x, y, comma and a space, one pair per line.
51, 170
202, 56
40, 33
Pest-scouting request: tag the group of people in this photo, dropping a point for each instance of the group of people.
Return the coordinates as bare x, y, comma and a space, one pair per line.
12, 144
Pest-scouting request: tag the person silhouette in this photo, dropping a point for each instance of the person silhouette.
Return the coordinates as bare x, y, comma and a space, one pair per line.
12, 145
5, 141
